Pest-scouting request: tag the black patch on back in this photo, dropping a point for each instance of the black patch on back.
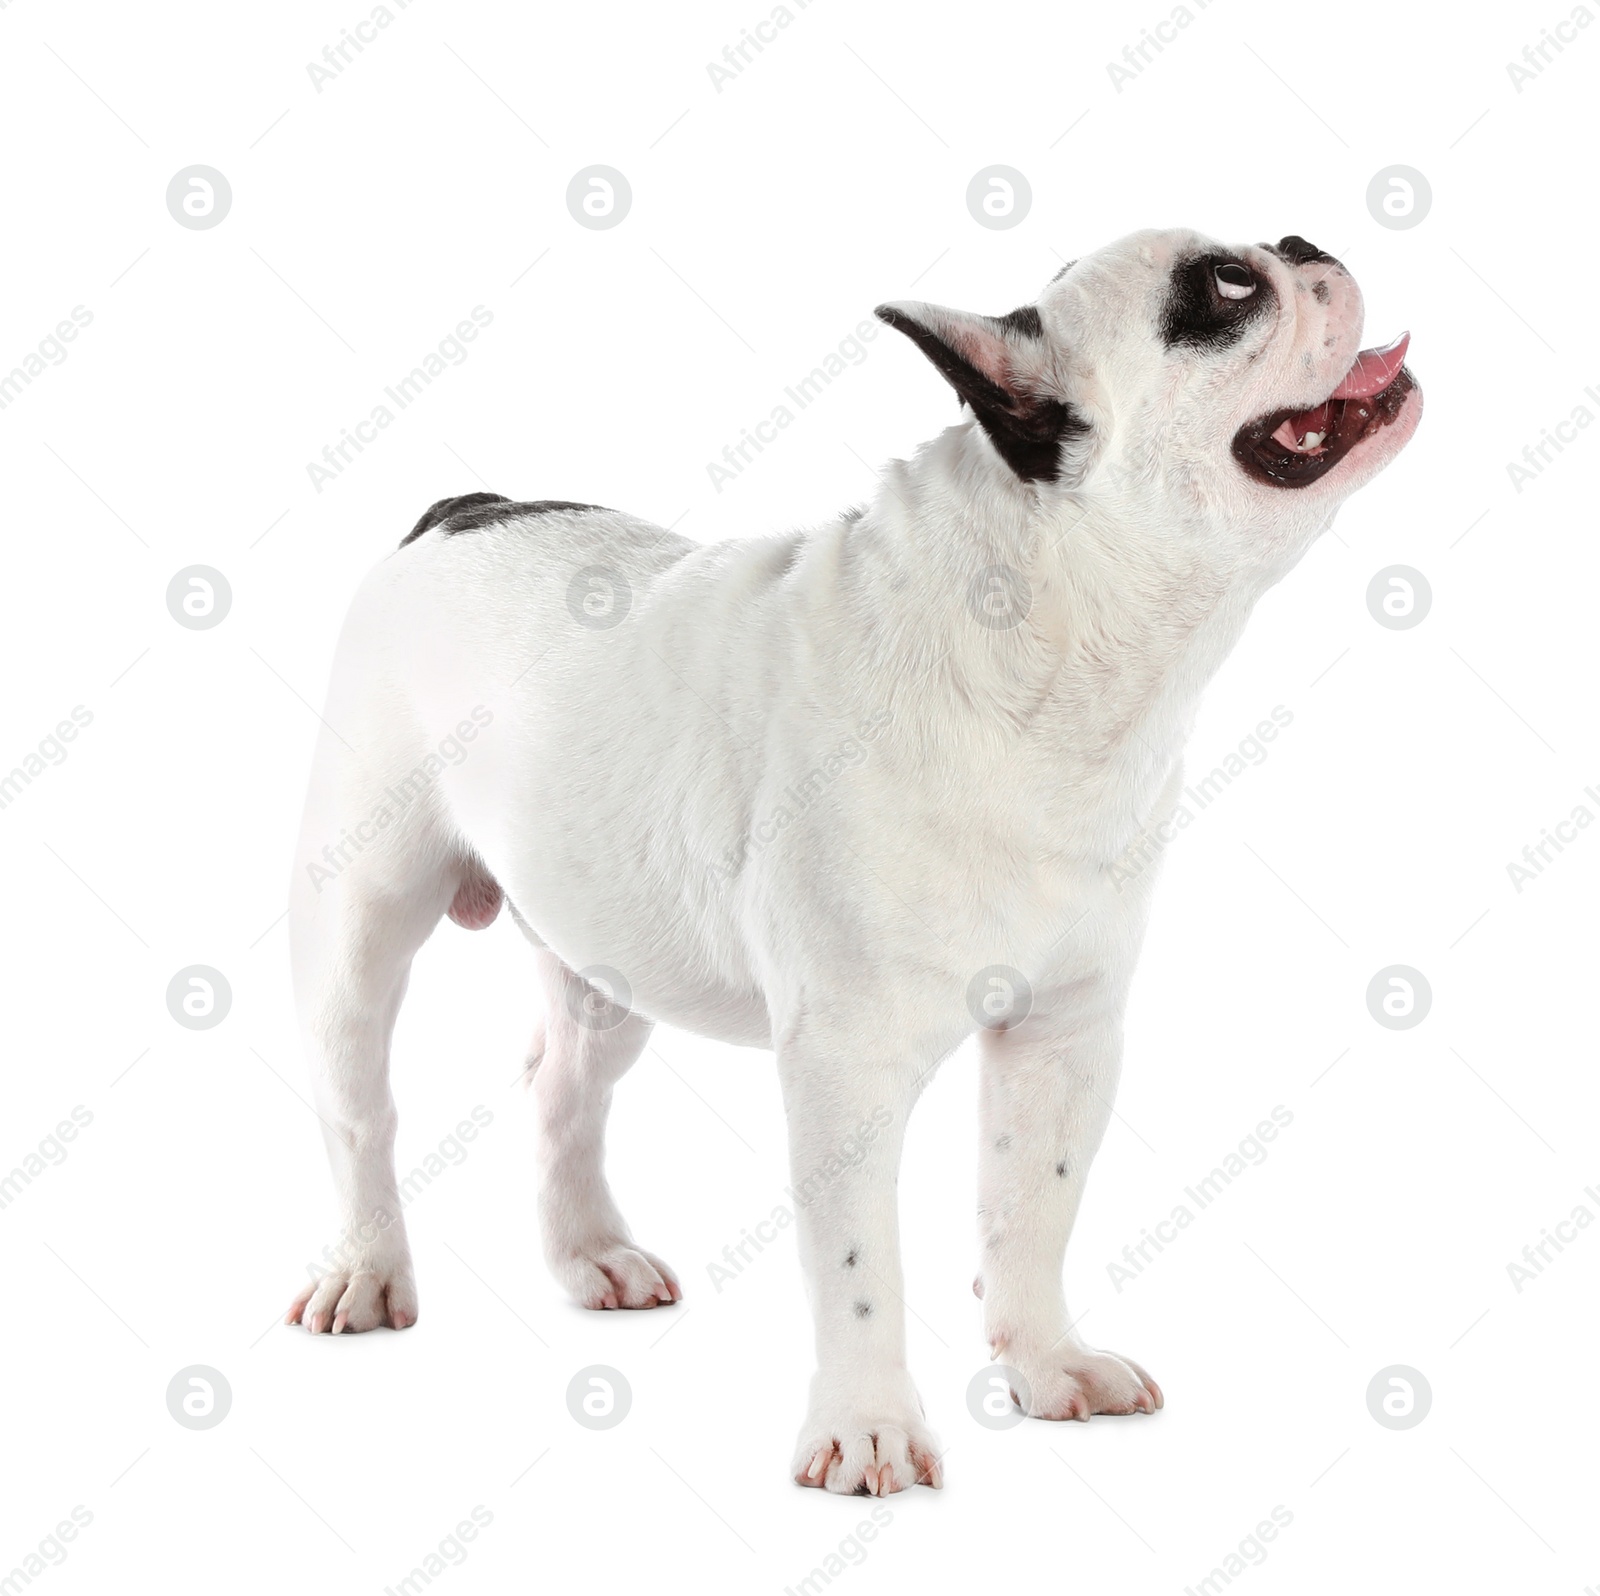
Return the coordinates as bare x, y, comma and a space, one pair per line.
491, 514
472, 511
440, 508
1197, 316
1026, 430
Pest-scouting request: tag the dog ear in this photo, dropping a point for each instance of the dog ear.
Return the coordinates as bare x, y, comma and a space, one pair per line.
996, 364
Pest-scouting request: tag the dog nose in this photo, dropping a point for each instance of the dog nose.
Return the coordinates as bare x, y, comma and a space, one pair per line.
1298, 252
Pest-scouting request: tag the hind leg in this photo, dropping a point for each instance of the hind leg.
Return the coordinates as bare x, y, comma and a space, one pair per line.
356, 920
587, 1044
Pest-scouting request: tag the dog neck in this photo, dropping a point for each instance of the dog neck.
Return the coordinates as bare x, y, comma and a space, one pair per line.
1104, 612
1078, 711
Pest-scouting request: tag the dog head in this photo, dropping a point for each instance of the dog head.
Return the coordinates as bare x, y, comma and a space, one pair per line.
1199, 387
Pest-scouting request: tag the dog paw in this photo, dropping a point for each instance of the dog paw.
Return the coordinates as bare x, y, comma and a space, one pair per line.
356, 1299
1075, 1382
616, 1275
868, 1447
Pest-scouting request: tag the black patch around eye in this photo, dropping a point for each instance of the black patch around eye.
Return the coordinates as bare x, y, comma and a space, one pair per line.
1197, 316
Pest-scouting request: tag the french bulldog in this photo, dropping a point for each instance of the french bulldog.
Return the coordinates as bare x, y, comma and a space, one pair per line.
853, 794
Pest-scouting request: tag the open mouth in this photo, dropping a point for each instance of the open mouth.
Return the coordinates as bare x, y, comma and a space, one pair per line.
1291, 448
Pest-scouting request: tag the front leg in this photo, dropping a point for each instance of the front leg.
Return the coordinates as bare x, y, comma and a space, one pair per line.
865, 1430
1046, 1088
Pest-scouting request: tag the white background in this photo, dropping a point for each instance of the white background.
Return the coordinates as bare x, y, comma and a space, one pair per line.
767, 220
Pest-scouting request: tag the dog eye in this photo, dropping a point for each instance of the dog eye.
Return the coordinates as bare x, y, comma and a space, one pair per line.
1234, 281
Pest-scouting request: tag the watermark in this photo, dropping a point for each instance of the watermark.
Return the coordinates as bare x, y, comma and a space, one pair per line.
1399, 997
599, 597
999, 197
599, 197
1150, 841
1150, 43
1399, 597
1399, 197
1399, 1397
51, 350
851, 1552
50, 1151
50, 750
199, 597
199, 997
753, 1240
801, 795
999, 997
1553, 441
199, 1397
398, 797
599, 1397
48, 1553
1250, 1153
600, 999
998, 1396
1551, 43
1553, 1240
199, 197
451, 350
350, 43
999, 598
450, 1552
1560, 837
850, 351
1251, 1552
450, 1152
739, 55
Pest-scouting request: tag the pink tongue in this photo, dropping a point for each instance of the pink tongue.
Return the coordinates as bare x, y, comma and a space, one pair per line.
1374, 369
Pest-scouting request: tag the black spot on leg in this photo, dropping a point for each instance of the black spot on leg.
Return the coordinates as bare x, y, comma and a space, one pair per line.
863, 1310
1003, 1141
850, 1258
1061, 1168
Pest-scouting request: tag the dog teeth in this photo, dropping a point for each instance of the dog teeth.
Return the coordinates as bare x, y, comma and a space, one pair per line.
1312, 440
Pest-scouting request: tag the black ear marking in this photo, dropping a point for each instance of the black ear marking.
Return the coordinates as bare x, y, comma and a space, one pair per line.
1026, 428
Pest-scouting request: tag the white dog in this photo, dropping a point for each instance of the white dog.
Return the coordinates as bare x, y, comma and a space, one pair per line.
851, 794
